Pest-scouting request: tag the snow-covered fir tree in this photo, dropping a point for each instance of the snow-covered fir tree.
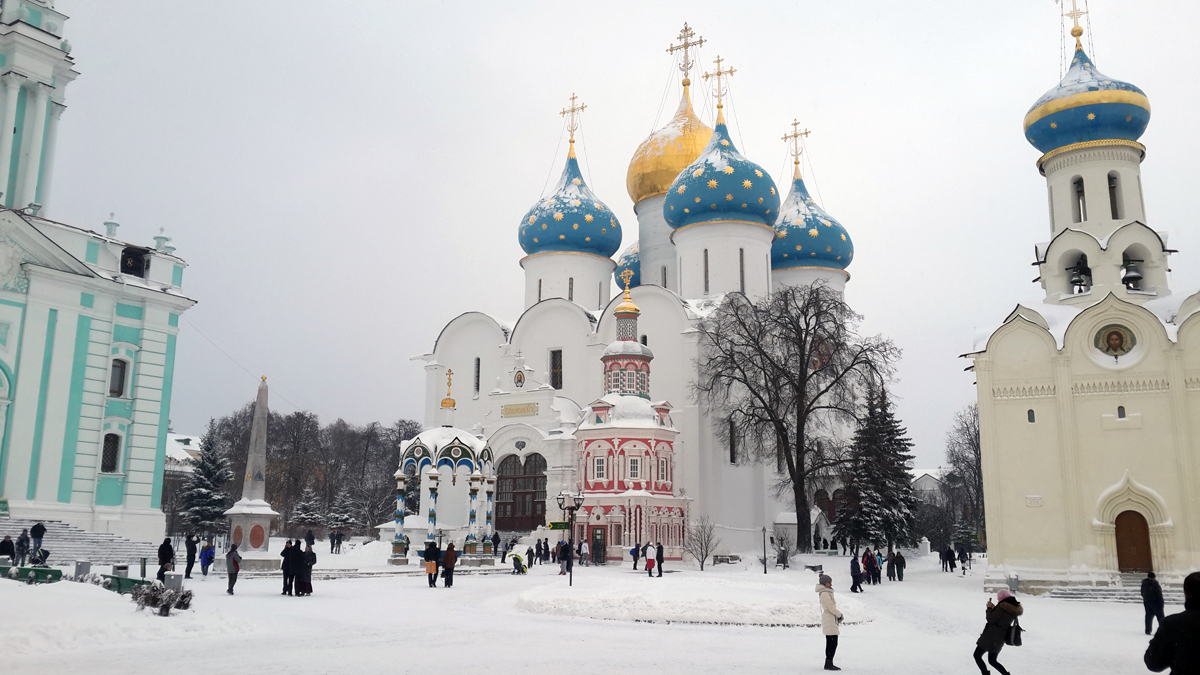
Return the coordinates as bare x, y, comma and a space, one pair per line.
203, 496
342, 512
307, 512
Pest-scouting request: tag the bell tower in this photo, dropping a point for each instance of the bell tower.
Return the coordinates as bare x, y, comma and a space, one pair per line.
35, 69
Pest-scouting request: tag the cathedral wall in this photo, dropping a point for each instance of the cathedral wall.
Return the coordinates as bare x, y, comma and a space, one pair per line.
469, 336
737, 251
555, 325
654, 244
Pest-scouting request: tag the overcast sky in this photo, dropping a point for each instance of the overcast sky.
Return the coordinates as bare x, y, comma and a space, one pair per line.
345, 177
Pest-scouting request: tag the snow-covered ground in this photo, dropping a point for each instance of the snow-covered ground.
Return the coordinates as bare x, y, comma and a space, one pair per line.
612, 620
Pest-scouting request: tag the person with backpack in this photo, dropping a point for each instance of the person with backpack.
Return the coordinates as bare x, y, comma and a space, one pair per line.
1176, 643
1152, 601
1000, 616
206, 558
233, 562
635, 552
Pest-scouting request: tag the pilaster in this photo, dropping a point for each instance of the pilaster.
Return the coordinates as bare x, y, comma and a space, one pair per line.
1068, 432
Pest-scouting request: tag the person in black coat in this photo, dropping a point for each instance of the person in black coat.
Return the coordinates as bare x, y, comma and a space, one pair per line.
304, 561
8, 548
496, 544
288, 567
855, 575
22, 548
191, 543
1152, 600
1000, 616
1176, 644
658, 558
433, 554
310, 539
636, 551
166, 556
36, 533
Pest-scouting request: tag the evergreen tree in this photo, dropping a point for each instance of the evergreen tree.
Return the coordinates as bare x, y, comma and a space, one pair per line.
307, 512
204, 497
342, 513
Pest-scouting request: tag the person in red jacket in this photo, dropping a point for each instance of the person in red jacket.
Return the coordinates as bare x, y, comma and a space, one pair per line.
448, 562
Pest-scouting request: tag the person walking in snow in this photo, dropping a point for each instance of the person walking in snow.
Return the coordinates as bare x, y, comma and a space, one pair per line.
537, 550
496, 545
891, 567
433, 555
963, 559
448, 562
1152, 600
855, 576
950, 558
332, 540
22, 548
190, 543
339, 542
1176, 644
1000, 616
831, 617
166, 559
635, 552
585, 553
900, 563
945, 563
878, 567
288, 568
310, 538
36, 533
233, 562
303, 567
868, 567
658, 558
206, 558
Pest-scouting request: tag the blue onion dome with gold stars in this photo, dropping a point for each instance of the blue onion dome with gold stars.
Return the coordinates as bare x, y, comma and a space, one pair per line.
721, 185
807, 236
1086, 106
629, 260
571, 219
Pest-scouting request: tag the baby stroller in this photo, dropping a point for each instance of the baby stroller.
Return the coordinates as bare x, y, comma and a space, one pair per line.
518, 564
38, 558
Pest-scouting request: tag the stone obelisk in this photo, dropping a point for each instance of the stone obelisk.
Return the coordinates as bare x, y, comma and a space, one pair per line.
250, 518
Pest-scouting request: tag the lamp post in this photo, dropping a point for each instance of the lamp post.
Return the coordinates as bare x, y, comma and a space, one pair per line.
764, 549
570, 503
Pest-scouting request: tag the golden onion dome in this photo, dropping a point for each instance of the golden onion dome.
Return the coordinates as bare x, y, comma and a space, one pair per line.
666, 152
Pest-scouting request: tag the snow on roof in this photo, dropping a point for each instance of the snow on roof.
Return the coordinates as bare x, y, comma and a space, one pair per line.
437, 437
627, 412
183, 447
622, 347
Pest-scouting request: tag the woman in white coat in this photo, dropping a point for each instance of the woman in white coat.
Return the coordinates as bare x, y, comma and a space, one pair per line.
830, 618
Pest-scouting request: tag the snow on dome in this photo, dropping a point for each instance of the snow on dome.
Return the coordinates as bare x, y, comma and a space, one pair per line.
629, 260
1087, 105
807, 236
628, 347
438, 437
666, 152
721, 185
571, 219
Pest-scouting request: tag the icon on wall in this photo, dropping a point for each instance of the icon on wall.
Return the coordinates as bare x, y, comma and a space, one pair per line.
519, 379
1115, 340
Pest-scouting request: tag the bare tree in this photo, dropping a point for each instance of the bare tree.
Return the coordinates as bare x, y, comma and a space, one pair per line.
785, 375
701, 540
964, 480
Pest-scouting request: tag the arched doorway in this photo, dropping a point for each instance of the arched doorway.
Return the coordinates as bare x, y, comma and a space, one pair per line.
521, 493
1133, 542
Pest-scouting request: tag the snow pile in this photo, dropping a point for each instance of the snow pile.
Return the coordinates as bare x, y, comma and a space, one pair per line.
711, 599
354, 555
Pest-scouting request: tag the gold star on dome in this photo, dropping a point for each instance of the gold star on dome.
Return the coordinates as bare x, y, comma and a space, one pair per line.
613, 223
672, 207
687, 211
1128, 118
603, 231
724, 142
682, 189
1054, 125
575, 226
728, 198
522, 232
785, 255
599, 206
743, 206
697, 172
813, 232
531, 219
781, 234
574, 202
535, 240
828, 249
712, 184
588, 218
587, 238
728, 169
759, 199
813, 254
768, 210
772, 190
843, 237
713, 206
798, 247
758, 173
1091, 116
827, 224
557, 216
562, 236
576, 181
544, 225
697, 200
746, 184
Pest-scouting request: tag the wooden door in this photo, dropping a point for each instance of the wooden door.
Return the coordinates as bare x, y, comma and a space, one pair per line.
598, 548
1133, 543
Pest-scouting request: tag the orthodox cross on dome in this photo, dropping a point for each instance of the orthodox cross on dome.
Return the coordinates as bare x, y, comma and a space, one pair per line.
685, 44
572, 115
448, 402
796, 149
626, 276
720, 91
1073, 14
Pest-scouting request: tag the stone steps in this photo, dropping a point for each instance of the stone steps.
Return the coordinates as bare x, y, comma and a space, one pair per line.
67, 543
1127, 590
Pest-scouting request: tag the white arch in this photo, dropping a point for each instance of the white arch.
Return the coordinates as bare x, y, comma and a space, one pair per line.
1129, 495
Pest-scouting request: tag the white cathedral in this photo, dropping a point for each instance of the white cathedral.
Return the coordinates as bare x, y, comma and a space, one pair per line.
1089, 401
562, 398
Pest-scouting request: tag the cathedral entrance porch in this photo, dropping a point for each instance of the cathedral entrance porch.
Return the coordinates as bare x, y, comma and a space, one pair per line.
521, 488
1133, 543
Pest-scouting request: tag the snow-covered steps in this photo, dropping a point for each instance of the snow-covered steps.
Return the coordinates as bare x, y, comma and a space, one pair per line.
1173, 595
67, 543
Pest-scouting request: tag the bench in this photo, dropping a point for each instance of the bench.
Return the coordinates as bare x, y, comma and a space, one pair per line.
730, 559
123, 585
38, 575
819, 569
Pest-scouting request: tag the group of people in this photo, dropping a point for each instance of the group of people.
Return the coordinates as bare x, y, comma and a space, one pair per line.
653, 555
872, 566
27, 548
297, 567
335, 540
439, 563
949, 558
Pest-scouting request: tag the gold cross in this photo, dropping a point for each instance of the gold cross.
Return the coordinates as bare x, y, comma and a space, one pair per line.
449, 374
1074, 15
685, 44
626, 276
720, 75
795, 137
572, 115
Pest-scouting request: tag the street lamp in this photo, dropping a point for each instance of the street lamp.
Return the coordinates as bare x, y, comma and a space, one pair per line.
570, 503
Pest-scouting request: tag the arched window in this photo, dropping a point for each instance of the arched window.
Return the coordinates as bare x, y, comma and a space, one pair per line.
116, 380
664, 276
111, 454
742, 269
571, 289
1121, 412
706, 270
1115, 203
1078, 201
1031, 416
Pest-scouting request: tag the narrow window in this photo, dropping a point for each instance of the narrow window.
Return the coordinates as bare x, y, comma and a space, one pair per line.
1031, 416
476, 375
645, 340
1114, 195
635, 468
664, 276
732, 442
1078, 202
112, 448
600, 294
1141, 197
706, 271
571, 289
556, 368
116, 381
598, 473
1051, 209
539, 290
1121, 412
742, 268
662, 469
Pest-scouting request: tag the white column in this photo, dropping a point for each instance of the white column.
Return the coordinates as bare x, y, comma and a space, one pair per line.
398, 550
56, 111
29, 173
12, 89
432, 477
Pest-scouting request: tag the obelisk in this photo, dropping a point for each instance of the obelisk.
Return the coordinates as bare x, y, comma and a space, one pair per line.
250, 518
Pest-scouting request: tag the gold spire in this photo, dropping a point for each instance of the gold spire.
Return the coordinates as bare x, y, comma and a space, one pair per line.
720, 91
796, 148
572, 115
626, 302
448, 402
685, 44
1074, 13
